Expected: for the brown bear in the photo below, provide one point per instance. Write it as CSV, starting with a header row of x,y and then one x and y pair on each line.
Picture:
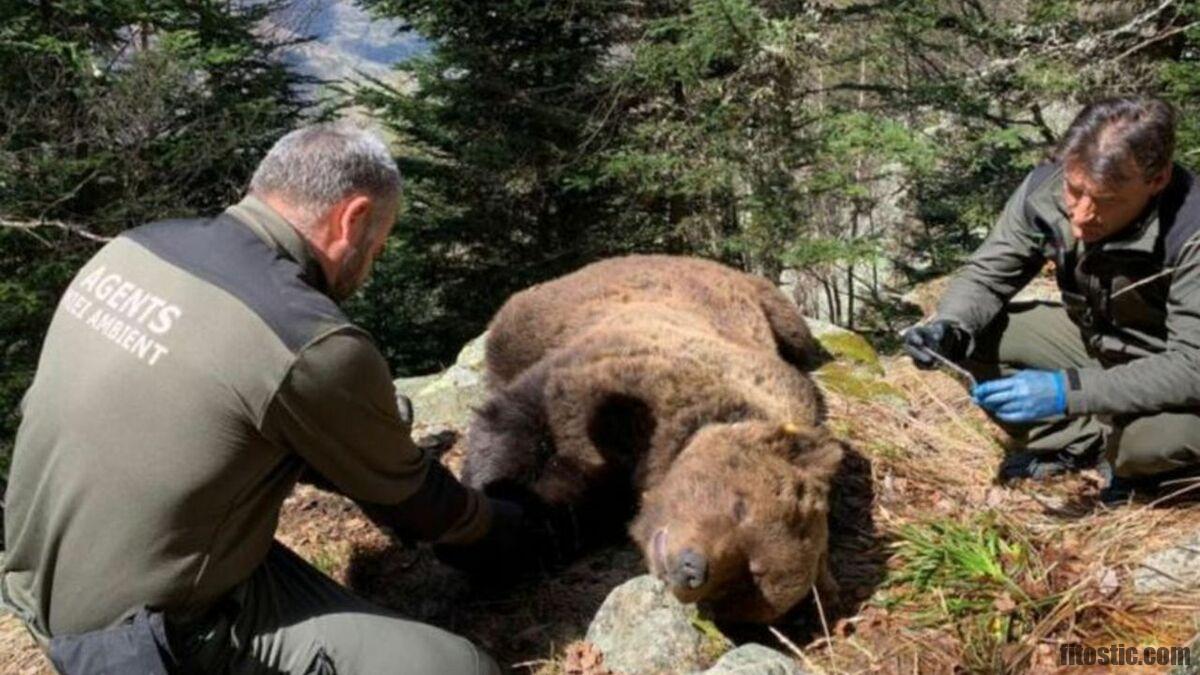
x,y
676,380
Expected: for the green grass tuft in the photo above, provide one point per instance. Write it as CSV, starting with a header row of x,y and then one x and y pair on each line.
x,y
973,575
327,560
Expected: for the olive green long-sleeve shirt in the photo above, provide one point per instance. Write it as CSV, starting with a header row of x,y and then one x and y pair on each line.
x,y
192,369
1135,296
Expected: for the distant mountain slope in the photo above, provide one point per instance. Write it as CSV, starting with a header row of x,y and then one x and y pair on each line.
x,y
348,40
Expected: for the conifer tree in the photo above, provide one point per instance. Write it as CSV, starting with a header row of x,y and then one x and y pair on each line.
x,y
497,146
112,114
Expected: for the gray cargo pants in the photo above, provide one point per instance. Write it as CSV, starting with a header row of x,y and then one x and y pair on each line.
x,y
1041,335
288,617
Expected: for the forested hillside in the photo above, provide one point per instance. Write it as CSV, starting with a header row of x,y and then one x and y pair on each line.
x,y
865,145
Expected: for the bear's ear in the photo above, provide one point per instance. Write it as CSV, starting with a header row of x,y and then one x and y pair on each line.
x,y
816,462
490,410
620,427
816,453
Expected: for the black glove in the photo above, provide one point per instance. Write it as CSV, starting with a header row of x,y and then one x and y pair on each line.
x,y
939,336
527,537
554,532
512,548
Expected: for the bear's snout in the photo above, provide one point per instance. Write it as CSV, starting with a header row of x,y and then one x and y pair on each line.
x,y
690,570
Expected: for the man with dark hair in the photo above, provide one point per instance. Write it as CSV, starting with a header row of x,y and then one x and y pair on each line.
x,y
1114,370
193,370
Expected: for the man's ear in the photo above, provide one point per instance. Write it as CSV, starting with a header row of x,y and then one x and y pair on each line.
x,y
1161,179
351,218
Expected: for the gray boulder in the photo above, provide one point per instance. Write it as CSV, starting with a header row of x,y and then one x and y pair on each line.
x,y
641,629
1172,569
755,659
446,400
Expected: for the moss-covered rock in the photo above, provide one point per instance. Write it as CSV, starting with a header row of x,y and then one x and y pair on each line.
x,y
854,370
642,628
853,348
847,380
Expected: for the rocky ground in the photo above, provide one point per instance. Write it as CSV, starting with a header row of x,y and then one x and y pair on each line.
x,y
941,569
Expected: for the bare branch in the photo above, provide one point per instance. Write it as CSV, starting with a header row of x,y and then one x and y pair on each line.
x,y
31,226
1157,38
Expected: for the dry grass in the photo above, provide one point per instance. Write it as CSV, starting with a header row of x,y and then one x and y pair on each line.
x,y
18,653
941,569
986,577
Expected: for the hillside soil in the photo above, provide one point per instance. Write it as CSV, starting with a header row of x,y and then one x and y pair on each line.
x,y
941,569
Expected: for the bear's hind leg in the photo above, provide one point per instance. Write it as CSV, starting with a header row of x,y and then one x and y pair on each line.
x,y
793,339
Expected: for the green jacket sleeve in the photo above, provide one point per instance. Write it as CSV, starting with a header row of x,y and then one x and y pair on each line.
x,y
1164,381
1002,266
337,410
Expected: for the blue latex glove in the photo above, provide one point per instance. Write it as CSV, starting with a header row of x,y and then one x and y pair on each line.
x,y
1028,396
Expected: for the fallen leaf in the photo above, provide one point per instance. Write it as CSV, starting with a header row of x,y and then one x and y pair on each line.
x,y
1044,660
1034,587
1004,603
1109,582
584,658
996,497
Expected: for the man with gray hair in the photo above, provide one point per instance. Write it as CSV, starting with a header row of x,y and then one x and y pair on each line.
x,y
192,371
1113,370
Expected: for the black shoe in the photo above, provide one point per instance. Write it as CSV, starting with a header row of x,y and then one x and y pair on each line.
x,y
1042,465
1117,491
1121,490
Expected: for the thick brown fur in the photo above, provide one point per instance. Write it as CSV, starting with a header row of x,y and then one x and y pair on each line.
x,y
676,379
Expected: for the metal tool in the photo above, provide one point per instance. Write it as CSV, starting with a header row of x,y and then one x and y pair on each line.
x,y
953,367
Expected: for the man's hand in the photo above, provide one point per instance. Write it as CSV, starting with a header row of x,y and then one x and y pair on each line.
x,y
519,542
1028,396
938,336
498,554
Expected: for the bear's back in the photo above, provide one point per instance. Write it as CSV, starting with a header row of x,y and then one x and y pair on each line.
x,y
550,315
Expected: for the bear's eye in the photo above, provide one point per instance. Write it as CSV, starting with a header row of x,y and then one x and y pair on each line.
x,y
794,491
739,509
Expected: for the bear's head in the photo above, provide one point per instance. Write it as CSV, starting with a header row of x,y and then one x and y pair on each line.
x,y
739,521
508,439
